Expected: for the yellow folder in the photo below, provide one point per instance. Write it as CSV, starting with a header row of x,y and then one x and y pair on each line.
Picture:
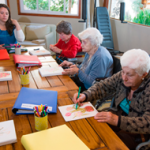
x,y
57,138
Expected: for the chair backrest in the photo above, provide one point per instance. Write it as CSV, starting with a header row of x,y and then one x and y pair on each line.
x,y
116,68
116,64
104,26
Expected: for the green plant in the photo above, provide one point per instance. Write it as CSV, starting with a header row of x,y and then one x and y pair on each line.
x,y
43,5
31,4
143,17
137,6
57,5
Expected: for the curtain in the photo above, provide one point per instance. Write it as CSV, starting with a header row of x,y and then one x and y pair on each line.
x,y
90,11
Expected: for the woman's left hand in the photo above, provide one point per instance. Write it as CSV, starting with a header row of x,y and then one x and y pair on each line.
x,y
1,46
71,71
55,49
15,22
107,117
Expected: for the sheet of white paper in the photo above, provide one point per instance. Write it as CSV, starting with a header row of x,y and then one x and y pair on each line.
x,y
50,71
7,132
5,76
70,113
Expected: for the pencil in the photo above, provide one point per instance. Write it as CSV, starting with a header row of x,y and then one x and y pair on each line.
x,y
19,71
78,96
59,59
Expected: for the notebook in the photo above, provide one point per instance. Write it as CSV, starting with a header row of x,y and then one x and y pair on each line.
x,y
28,98
26,60
51,71
7,132
4,54
70,113
40,52
5,76
57,138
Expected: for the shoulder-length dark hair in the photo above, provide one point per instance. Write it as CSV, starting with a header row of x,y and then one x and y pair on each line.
x,y
9,25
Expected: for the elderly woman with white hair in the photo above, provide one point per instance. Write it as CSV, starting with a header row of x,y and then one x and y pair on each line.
x,y
130,115
97,62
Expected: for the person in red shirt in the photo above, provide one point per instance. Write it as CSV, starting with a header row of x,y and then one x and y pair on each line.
x,y
68,44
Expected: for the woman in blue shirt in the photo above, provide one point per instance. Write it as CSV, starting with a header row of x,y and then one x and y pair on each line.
x,y
10,30
97,62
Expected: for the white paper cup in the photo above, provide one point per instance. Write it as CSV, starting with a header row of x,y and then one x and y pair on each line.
x,y
18,51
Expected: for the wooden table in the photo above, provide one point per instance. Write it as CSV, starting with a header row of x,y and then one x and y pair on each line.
x,y
97,136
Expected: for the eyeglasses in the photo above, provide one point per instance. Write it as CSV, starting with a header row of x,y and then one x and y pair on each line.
x,y
129,75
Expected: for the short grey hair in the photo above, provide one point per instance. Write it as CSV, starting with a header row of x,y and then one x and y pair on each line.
x,y
93,34
64,27
136,59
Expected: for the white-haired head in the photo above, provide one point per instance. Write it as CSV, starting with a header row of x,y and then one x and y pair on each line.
x,y
93,35
136,59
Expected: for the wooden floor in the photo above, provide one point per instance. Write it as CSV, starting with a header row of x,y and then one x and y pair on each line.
x,y
97,136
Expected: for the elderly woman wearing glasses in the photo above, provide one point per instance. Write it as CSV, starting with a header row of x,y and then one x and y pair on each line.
x,y
130,115
97,62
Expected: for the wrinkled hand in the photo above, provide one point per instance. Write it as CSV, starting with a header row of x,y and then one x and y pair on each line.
x,y
107,117
66,63
71,71
55,49
81,98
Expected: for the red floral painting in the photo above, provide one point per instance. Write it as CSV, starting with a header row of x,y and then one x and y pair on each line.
x,y
4,75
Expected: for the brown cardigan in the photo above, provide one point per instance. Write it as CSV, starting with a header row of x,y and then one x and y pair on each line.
x,y
138,119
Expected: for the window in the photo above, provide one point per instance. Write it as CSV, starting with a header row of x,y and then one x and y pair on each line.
x,y
3,1
137,11
64,8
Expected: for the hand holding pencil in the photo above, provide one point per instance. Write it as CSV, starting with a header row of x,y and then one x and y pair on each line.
x,y
79,100
78,97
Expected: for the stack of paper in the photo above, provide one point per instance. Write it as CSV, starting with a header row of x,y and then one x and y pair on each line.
x,y
57,138
7,132
40,52
51,71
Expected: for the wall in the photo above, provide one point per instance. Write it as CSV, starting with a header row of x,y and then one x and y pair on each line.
x,y
125,36
77,27
128,36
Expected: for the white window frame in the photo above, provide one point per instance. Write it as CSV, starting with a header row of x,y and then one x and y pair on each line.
x,y
5,2
22,10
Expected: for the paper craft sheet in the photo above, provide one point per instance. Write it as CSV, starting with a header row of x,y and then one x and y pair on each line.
x,y
40,52
70,113
51,71
7,132
5,76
